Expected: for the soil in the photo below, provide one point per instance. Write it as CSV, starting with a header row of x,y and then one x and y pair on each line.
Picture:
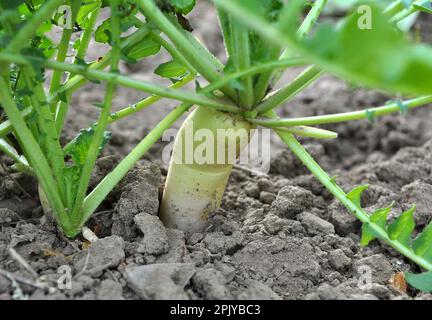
x,y
276,236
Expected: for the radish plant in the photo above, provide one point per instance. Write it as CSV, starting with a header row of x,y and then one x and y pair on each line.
x,y
262,40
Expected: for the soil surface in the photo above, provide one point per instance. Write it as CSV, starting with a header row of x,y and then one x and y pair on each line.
x,y
276,236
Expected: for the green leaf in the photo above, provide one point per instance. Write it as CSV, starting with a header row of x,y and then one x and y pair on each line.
x,y
86,10
402,228
422,281
7,4
147,47
379,218
102,33
355,195
183,6
425,6
364,48
170,70
422,245
80,146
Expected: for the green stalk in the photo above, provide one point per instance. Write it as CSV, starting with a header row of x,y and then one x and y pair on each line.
x,y
62,109
62,52
337,191
96,142
124,81
13,154
403,14
61,57
28,30
6,127
285,94
264,84
311,18
394,8
346,116
200,61
126,112
175,54
225,25
304,29
309,132
241,59
77,81
95,198
87,34
268,66
47,127
35,155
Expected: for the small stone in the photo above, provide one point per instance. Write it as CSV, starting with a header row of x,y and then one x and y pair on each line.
x,y
195,238
177,247
266,185
139,195
314,225
155,240
8,216
267,197
160,281
211,284
327,292
291,201
252,190
104,253
343,221
382,270
418,193
273,224
339,260
258,291
218,242
110,290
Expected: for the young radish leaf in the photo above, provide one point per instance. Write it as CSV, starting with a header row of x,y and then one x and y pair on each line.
x,y
401,230
422,245
79,147
422,281
180,6
147,47
171,70
395,63
425,6
379,217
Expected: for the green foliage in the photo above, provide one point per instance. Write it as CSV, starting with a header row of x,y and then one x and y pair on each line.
x,y
400,230
183,6
147,47
422,281
395,64
425,6
171,70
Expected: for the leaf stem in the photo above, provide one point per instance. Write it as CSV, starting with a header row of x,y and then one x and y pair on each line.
x,y
125,81
97,139
36,157
201,63
311,18
241,59
346,116
337,191
285,94
20,40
